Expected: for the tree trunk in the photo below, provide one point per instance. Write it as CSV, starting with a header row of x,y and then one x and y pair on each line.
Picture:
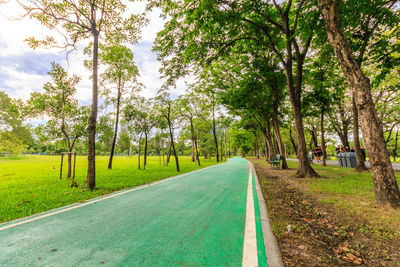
x,y
145,151
304,169
215,137
360,164
173,145
395,146
194,141
266,148
323,146
268,142
313,141
91,173
193,158
275,125
116,125
292,140
169,153
140,140
197,151
257,154
221,148
163,153
385,185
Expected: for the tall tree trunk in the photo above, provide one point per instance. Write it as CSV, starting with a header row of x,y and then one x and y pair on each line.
x,y
225,150
163,153
292,140
192,137
145,151
221,148
215,137
279,143
91,173
173,145
360,164
304,169
266,147
275,125
395,146
193,157
140,140
194,141
323,146
313,141
256,145
385,185
344,135
268,142
169,152
116,125
294,86
197,151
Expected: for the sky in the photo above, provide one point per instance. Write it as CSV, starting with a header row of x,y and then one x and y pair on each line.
x,y
23,70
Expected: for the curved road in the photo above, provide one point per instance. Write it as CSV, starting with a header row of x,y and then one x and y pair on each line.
x,y
196,219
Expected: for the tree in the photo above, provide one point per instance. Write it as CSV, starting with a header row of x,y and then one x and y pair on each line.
x,y
188,110
168,111
121,71
385,185
322,79
58,102
13,135
198,33
141,112
80,20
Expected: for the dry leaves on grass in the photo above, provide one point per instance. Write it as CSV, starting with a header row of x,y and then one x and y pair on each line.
x,y
348,254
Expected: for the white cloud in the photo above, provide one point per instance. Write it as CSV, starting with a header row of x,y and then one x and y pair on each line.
x,y
20,83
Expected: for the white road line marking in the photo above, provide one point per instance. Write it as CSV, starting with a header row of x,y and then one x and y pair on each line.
x,y
101,199
250,257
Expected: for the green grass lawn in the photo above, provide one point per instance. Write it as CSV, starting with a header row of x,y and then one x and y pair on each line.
x,y
350,190
30,184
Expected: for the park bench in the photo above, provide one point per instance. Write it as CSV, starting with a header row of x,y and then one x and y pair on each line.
x,y
275,162
310,158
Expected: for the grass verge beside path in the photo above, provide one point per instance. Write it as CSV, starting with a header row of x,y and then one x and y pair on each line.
x,y
30,184
329,221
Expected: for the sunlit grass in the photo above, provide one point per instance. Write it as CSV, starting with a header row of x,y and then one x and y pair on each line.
x,y
30,184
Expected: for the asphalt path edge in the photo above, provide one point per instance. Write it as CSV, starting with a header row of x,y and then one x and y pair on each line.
x,y
48,213
272,252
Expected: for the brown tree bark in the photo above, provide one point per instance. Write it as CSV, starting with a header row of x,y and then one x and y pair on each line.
x,y
221,149
323,146
275,125
91,173
145,150
140,140
256,150
395,145
214,130
193,160
360,165
169,153
194,141
385,185
173,145
116,125
292,140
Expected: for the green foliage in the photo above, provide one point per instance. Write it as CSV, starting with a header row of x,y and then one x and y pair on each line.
x,y
14,136
78,20
67,119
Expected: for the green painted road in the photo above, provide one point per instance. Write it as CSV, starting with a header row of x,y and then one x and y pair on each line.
x,y
197,219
